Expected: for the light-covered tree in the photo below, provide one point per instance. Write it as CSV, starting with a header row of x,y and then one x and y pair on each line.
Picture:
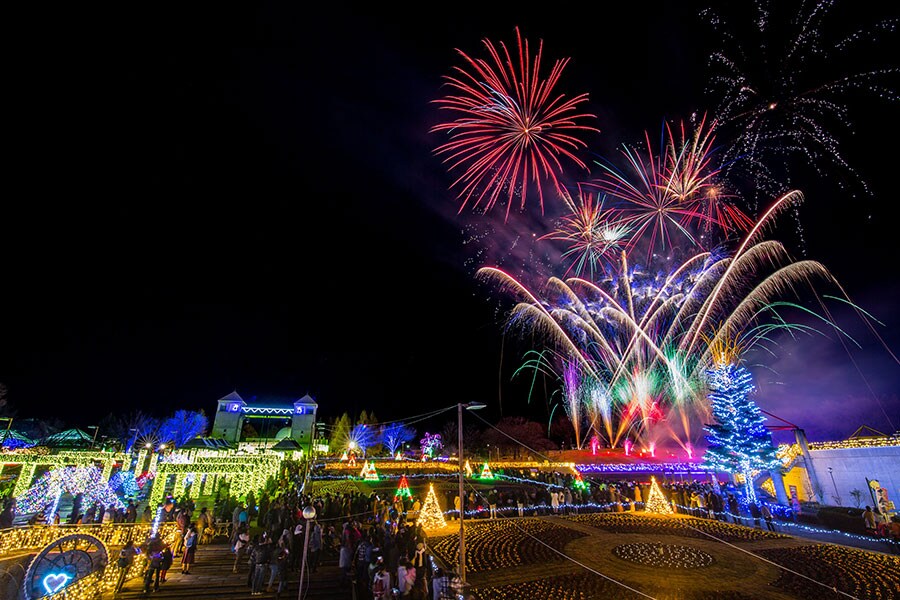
x,y
738,442
394,435
183,426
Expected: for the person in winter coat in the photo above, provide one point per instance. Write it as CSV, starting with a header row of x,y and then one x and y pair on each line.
x,y
168,557
261,557
151,576
406,577
124,562
315,546
240,545
381,584
190,548
278,566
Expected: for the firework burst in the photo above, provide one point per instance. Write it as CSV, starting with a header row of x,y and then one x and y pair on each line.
x,y
592,234
670,194
640,342
781,80
510,128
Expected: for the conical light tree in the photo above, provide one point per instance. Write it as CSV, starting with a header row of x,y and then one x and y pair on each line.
x,y
738,442
403,488
368,472
431,516
656,500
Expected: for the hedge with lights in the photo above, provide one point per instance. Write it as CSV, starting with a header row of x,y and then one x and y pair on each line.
x,y
245,473
24,539
100,582
66,458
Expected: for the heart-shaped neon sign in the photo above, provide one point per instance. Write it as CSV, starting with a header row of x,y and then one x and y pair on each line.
x,y
56,581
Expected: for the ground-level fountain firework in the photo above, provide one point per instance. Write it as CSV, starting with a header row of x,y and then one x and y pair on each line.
x,y
632,348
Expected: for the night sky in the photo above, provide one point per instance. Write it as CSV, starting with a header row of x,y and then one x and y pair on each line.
x,y
247,199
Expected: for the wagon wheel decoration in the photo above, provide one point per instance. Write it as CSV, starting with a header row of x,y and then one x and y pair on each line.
x,y
63,562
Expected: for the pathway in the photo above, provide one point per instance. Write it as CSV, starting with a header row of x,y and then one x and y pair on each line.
x,y
211,578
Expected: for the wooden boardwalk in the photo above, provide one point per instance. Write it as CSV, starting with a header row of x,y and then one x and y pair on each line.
x,y
211,578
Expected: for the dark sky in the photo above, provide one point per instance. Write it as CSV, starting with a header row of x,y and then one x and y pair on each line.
x,y
246,199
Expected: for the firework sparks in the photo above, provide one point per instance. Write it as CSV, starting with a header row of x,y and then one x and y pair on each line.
x,y
510,129
590,232
780,83
672,194
629,346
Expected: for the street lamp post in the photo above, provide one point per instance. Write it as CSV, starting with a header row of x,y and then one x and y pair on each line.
x,y
462,504
837,496
96,431
309,513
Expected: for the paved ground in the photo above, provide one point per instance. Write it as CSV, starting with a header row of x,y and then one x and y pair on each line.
x,y
211,578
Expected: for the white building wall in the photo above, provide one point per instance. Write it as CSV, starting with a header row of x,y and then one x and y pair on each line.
x,y
850,468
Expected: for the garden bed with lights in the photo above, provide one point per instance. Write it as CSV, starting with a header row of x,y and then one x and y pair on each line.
x,y
856,572
675,525
502,543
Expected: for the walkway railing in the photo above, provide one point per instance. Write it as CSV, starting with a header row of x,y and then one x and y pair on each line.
x,y
17,540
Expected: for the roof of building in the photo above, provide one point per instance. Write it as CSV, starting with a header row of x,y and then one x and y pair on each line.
x,y
287,444
13,439
70,438
207,443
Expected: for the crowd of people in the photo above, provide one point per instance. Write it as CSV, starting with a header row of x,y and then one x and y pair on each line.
x,y
379,547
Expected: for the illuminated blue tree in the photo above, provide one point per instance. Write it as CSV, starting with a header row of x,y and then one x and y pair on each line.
x,y
738,442
394,435
182,427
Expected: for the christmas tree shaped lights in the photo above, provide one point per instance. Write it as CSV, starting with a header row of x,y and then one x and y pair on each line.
x,y
403,489
738,442
431,516
368,472
656,501
486,472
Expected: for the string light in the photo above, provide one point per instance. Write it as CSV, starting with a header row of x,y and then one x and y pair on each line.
x,y
245,472
19,540
656,501
431,516
73,480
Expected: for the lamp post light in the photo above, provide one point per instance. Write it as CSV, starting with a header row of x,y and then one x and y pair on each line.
x,y
462,496
96,431
309,513
837,496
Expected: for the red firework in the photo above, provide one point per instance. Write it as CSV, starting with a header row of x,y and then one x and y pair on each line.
x,y
509,130
671,192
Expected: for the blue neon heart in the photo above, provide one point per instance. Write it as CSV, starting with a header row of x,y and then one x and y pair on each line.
x,y
55,582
